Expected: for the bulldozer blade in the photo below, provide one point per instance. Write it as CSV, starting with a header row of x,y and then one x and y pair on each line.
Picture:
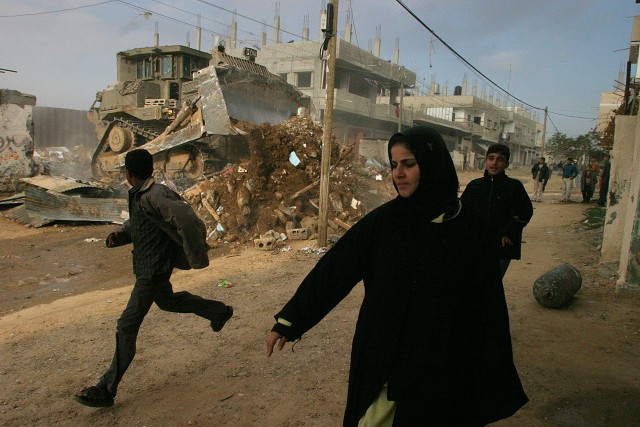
x,y
257,98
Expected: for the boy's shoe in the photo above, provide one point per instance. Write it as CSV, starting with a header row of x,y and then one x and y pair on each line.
x,y
95,397
218,325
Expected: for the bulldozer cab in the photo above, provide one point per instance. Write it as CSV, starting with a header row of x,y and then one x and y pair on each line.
x,y
149,82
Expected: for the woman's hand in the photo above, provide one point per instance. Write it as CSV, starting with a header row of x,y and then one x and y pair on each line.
x,y
273,339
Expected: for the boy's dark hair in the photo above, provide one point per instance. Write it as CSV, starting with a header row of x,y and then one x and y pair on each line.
x,y
139,163
500,149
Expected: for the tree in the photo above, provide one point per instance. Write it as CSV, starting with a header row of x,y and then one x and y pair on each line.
x,y
560,146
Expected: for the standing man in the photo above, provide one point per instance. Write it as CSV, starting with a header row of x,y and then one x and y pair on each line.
x,y
541,174
165,233
569,172
503,201
604,181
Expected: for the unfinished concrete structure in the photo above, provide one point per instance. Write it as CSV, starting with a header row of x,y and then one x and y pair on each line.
x,y
375,98
16,139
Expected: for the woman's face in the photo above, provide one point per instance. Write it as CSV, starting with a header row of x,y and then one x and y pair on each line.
x,y
406,172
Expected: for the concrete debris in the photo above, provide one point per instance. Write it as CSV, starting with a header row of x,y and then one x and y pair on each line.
x,y
266,194
267,241
63,161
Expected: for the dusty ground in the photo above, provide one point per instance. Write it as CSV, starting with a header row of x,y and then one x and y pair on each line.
x,y
60,297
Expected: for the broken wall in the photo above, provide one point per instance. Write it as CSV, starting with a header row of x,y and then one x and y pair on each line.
x,y
16,139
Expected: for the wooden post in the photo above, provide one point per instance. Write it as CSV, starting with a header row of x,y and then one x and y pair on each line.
x,y
327,132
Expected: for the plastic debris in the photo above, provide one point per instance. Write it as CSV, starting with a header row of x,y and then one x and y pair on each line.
x,y
293,158
224,284
308,250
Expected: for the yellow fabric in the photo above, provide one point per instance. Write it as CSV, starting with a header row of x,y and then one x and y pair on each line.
x,y
438,220
380,413
284,322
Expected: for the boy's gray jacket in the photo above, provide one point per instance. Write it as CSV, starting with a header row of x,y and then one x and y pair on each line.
x,y
169,211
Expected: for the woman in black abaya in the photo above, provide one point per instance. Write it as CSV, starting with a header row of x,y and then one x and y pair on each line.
x,y
432,345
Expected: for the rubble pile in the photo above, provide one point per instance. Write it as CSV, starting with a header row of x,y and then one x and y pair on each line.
x,y
277,186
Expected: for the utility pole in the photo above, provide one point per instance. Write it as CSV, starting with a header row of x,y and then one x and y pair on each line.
x,y
544,130
327,132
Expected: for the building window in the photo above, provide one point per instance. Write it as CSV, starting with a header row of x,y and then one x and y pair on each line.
x,y
477,120
166,67
191,65
453,117
283,76
144,69
186,67
303,79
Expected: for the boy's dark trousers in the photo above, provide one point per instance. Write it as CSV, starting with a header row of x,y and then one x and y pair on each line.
x,y
145,292
586,194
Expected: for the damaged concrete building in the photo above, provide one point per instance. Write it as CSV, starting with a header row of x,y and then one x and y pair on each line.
x,y
16,139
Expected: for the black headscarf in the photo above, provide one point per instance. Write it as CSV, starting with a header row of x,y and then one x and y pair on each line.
x,y
437,191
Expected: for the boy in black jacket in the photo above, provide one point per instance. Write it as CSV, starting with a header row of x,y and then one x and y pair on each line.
x,y
503,201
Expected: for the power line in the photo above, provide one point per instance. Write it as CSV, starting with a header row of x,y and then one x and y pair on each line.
x,y
478,71
461,57
55,11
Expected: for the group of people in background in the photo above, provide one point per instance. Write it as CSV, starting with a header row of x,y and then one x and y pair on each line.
x,y
591,178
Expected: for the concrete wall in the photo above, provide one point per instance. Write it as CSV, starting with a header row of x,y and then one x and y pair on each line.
x,y
63,127
16,139
629,269
619,186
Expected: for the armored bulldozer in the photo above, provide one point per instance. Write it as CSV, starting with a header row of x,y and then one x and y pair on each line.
x,y
182,105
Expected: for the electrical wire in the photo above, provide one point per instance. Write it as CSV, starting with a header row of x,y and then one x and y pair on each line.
x,y
246,17
478,71
56,11
462,58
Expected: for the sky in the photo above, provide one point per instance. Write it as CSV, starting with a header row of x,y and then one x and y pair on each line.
x,y
559,54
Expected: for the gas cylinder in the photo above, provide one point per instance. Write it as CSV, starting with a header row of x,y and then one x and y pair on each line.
x,y
555,288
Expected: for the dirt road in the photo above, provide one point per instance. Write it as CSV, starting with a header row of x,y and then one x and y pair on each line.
x,y
61,293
